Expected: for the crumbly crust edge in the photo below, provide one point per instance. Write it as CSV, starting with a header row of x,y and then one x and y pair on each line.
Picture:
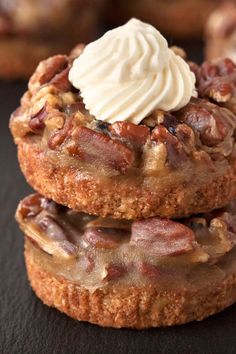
x,y
130,307
122,199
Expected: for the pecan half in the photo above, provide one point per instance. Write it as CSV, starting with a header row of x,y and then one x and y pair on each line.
x,y
95,147
52,229
162,237
55,239
103,237
137,135
211,122
46,71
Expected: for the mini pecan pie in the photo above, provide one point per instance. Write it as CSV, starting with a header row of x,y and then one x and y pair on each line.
x,y
33,30
172,164
176,18
119,273
216,81
221,32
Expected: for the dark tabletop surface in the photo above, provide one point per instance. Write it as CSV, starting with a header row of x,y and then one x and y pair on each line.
x,y
27,326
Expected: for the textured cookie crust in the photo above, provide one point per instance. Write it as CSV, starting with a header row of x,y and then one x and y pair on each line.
x,y
134,307
74,188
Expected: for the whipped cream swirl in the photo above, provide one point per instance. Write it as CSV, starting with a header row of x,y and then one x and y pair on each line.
x,y
129,72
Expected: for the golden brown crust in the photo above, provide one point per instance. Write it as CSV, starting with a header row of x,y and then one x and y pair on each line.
x,y
78,190
135,307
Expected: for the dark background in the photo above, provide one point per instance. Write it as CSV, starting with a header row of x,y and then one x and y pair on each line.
x,y
27,326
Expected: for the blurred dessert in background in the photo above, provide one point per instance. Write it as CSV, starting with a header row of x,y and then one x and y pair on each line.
x,y
177,18
221,32
31,30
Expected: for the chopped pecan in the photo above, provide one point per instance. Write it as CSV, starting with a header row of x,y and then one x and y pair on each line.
x,y
210,121
19,123
103,237
114,271
162,237
176,154
170,122
61,80
96,147
75,107
60,136
216,68
55,120
36,123
137,135
186,136
155,118
155,158
46,71
217,80
182,132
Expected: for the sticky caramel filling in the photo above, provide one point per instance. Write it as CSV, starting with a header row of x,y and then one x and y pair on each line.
x,y
97,251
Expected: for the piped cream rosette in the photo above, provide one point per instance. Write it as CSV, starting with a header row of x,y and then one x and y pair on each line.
x,y
129,72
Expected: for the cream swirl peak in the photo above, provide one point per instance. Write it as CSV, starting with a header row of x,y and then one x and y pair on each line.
x,y
129,72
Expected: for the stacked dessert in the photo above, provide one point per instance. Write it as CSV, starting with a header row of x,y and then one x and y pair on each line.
x,y
131,149
221,32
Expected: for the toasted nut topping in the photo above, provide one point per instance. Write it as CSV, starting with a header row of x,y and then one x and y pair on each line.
x,y
137,135
212,122
46,71
101,237
36,122
162,237
92,146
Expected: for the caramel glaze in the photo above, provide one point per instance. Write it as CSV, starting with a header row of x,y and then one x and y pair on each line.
x,y
95,252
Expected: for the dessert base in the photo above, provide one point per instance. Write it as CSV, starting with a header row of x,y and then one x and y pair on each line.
x,y
136,307
123,197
